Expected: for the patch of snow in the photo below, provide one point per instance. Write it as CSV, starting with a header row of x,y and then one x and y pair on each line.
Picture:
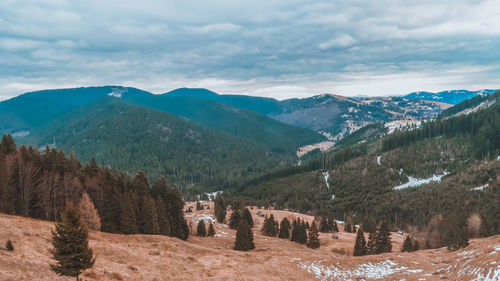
x,y
378,160
400,171
211,195
207,218
338,272
498,158
339,222
295,259
492,275
479,188
326,176
20,134
414,182
117,92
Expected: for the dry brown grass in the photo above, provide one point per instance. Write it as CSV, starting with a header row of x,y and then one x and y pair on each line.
x,y
148,257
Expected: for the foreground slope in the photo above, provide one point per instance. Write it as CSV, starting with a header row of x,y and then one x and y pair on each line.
x,y
147,257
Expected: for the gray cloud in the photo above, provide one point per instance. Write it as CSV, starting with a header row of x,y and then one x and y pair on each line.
x,y
274,48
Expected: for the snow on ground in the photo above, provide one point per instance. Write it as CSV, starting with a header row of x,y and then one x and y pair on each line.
x,y
365,270
117,92
401,124
414,182
207,218
479,188
493,274
378,160
326,175
211,195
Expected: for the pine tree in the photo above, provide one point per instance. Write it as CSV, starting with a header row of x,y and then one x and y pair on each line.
x,y
284,229
383,239
199,206
201,231
211,230
71,249
269,227
248,217
313,240
300,233
8,145
220,207
244,237
360,245
89,213
9,246
371,245
458,236
235,219
293,236
335,226
323,225
407,245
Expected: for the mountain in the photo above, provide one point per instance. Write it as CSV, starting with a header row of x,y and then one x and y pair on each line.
x,y
333,116
22,115
132,138
449,97
407,178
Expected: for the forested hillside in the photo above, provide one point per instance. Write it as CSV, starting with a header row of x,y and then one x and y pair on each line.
x,y
40,185
426,178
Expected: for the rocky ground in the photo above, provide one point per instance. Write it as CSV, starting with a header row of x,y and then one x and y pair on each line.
x,y
150,257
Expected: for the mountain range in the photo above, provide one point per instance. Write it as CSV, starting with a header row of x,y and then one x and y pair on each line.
x,y
197,136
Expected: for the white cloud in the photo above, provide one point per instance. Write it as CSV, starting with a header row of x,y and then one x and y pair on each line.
x,y
344,40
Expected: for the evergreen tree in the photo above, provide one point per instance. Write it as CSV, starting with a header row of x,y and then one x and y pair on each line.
x,y
458,236
335,226
407,245
201,231
199,206
307,226
244,237
300,233
128,221
220,207
293,236
284,229
360,245
371,245
383,239
313,239
269,227
416,246
485,228
323,225
248,217
211,230
9,246
8,145
235,219
71,249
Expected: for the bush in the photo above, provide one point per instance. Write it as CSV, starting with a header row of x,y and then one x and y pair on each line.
x,y
9,246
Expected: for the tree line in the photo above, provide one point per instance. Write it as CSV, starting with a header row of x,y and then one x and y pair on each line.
x,y
42,184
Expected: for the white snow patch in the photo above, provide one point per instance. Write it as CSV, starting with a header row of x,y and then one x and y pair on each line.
x,y
117,92
401,125
207,218
378,160
479,188
338,272
498,158
295,259
20,134
326,176
414,182
492,275
211,195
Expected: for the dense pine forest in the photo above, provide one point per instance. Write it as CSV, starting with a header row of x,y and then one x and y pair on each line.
x,y
41,184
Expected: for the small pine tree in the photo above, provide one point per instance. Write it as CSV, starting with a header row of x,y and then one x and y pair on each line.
x,y
335,226
313,240
9,246
269,227
347,227
371,246
293,236
220,207
360,245
201,230
407,245
235,219
300,233
248,217
383,239
199,206
307,225
71,249
284,229
323,225
244,237
211,230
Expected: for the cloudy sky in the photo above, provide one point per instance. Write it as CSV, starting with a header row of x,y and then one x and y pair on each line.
x,y
281,49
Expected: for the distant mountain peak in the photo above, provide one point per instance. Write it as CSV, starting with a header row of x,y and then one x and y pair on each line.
x,y
191,91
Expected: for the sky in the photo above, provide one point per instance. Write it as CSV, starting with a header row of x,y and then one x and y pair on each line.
x,y
279,49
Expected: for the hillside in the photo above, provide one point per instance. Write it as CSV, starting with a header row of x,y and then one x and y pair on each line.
x,y
155,257
132,138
